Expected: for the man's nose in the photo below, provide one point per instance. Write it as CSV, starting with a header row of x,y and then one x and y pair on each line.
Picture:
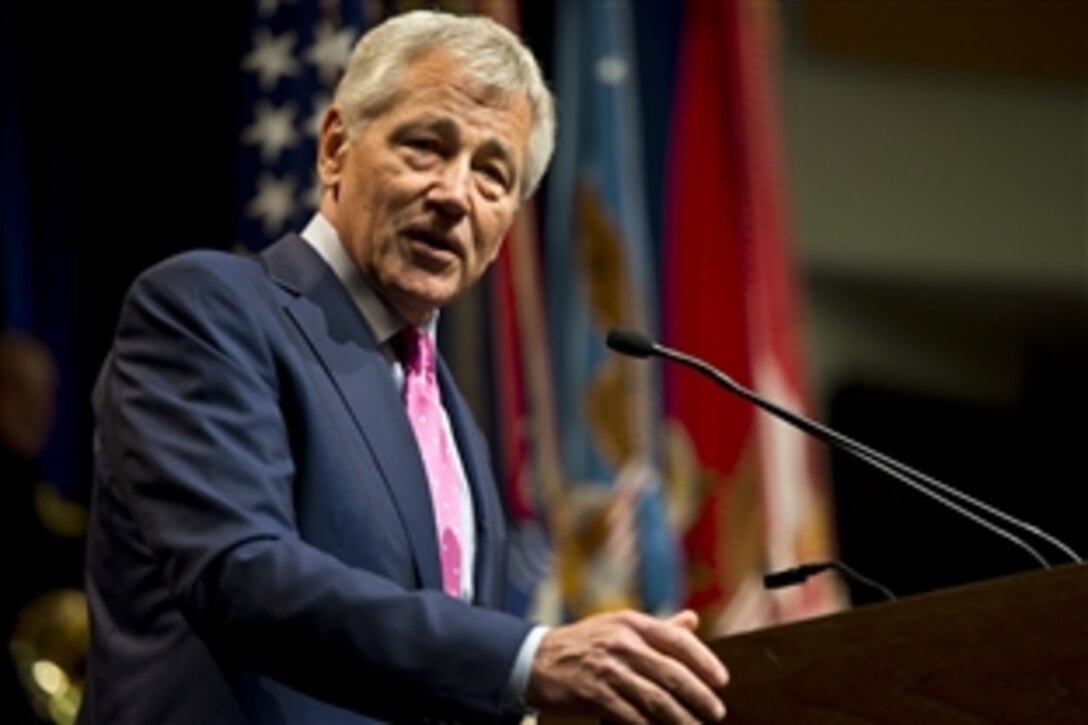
x,y
450,192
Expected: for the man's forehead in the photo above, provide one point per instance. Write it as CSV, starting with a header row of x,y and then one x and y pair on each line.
x,y
444,109
442,71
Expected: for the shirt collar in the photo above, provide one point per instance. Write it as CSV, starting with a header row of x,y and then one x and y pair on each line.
x,y
383,322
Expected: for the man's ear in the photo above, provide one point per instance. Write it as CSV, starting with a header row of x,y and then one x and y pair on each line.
x,y
332,147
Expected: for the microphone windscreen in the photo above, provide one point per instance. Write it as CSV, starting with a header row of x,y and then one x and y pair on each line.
x,y
785,578
630,342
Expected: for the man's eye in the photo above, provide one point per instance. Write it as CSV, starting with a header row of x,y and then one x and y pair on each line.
x,y
427,145
495,175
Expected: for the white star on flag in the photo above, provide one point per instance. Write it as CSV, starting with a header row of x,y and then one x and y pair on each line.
x,y
271,57
274,203
273,129
330,50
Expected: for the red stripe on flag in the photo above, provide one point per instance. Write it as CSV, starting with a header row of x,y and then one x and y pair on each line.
x,y
730,295
705,282
511,404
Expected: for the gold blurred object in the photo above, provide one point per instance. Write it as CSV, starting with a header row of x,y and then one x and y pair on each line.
x,y
59,515
49,645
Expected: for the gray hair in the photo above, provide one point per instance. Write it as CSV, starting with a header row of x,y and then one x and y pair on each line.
x,y
492,55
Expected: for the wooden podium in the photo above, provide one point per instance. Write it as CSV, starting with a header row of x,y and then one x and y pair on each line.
x,y
1008,650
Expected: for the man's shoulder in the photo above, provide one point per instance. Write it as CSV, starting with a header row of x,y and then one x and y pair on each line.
x,y
231,266
208,281
199,269
198,261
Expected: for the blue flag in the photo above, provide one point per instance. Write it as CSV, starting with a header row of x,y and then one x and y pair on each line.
x,y
601,274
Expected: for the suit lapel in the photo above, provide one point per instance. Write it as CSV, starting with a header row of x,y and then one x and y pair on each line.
x,y
327,318
478,471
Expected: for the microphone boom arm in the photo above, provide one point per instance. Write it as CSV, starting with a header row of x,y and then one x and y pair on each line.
x,y
915,479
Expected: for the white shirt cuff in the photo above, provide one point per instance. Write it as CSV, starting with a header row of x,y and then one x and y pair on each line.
x,y
523,664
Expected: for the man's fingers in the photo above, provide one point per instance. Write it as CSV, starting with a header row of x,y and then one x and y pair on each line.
x,y
665,657
681,643
615,706
657,704
670,676
687,619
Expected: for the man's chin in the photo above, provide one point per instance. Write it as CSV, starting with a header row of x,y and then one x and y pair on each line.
x,y
416,303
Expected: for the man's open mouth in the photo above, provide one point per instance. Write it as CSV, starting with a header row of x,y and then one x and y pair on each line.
x,y
434,240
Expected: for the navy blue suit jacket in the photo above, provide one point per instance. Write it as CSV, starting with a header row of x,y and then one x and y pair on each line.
x,y
262,546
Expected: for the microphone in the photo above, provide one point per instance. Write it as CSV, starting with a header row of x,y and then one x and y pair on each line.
x,y
636,344
799,574
630,342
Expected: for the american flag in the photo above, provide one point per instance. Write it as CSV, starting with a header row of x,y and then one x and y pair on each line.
x,y
295,53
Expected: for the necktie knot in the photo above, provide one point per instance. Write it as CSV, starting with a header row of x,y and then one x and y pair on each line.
x,y
415,350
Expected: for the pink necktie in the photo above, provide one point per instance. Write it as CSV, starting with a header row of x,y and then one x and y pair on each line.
x,y
424,404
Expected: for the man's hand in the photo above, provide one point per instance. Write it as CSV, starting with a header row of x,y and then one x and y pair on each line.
x,y
628,667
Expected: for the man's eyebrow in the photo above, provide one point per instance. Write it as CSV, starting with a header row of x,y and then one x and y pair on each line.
x,y
496,148
439,124
449,129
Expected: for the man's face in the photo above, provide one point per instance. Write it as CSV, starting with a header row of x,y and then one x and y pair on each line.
x,y
423,196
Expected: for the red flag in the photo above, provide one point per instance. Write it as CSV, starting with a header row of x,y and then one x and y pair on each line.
x,y
730,299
